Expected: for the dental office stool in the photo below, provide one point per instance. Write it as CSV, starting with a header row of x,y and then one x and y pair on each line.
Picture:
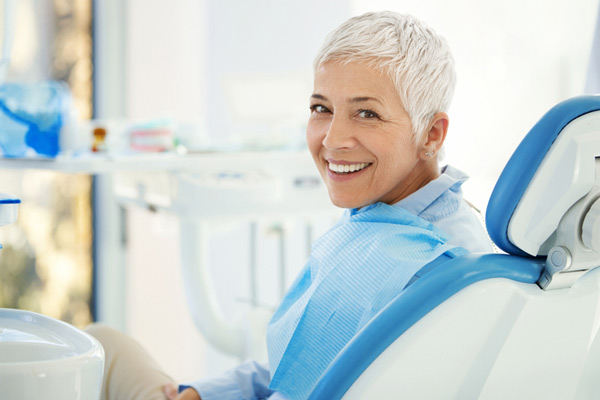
x,y
42,358
522,325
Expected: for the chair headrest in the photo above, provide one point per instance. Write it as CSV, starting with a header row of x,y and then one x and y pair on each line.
x,y
551,169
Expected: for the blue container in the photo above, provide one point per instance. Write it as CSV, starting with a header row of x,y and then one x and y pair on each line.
x,y
12,137
31,118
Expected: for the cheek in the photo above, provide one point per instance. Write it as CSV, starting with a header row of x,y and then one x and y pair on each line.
x,y
396,156
314,139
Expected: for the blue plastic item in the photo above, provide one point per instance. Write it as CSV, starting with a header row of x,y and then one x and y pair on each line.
x,y
10,201
525,161
8,206
31,118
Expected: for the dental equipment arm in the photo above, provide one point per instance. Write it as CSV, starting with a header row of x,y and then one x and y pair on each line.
x,y
200,293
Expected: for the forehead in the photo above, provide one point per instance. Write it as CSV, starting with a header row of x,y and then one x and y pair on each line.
x,y
352,79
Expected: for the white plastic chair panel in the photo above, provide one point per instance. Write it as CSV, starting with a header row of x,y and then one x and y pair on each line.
x,y
496,339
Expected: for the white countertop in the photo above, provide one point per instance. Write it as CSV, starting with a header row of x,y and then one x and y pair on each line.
x,y
95,163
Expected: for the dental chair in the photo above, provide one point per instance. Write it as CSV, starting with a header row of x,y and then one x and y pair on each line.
x,y
521,325
43,358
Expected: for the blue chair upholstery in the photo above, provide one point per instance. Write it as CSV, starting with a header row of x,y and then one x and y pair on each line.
x,y
524,163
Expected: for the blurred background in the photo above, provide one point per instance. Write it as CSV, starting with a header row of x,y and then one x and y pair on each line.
x,y
46,263
237,75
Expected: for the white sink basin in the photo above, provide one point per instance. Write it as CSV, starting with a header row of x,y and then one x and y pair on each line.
x,y
42,358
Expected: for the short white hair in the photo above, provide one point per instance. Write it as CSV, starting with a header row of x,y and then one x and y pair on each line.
x,y
417,59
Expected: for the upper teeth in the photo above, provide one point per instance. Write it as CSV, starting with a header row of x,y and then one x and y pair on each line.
x,y
347,168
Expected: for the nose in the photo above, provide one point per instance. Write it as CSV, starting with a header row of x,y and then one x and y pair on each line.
x,y
339,135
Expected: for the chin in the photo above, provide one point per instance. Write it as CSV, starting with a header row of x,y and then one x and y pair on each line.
x,y
345,203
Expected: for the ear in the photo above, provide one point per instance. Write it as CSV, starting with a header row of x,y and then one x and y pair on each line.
x,y
436,135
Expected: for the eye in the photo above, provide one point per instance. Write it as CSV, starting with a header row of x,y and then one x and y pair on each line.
x,y
319,108
367,114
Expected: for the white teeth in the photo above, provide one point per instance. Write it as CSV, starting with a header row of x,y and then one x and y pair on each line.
x,y
344,169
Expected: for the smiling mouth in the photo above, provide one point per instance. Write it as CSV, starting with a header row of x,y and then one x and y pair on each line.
x,y
347,168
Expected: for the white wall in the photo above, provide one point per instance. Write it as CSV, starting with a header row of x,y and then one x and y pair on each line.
x,y
259,74
239,71
32,37
166,59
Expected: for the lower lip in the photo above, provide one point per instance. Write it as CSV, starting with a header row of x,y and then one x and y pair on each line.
x,y
345,177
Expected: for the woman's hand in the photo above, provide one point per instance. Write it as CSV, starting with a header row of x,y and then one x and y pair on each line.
x,y
188,394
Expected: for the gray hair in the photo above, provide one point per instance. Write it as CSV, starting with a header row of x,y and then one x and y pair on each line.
x,y
417,60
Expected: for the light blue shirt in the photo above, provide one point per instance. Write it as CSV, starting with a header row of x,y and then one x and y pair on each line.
x,y
440,202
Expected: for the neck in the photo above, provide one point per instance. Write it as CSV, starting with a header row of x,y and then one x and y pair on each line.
x,y
423,173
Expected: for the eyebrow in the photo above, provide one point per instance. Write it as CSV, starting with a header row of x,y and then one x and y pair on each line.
x,y
318,96
363,99
360,99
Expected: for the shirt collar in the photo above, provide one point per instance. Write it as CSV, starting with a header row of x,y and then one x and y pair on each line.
x,y
450,179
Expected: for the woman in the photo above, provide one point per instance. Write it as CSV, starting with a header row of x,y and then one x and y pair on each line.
x,y
383,84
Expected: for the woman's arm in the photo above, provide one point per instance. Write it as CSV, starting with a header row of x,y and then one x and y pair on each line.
x,y
248,381
172,394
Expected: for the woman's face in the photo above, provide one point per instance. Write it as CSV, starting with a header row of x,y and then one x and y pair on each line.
x,y
361,137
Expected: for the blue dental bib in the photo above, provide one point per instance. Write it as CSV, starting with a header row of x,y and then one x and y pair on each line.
x,y
354,270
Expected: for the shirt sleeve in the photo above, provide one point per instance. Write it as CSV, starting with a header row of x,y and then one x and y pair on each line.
x,y
248,381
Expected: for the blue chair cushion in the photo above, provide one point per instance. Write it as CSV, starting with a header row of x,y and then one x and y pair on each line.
x,y
523,164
